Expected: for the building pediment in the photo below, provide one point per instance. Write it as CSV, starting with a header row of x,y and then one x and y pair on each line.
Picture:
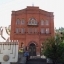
x,y
32,9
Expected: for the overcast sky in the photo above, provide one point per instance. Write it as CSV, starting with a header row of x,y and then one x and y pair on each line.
x,y
56,6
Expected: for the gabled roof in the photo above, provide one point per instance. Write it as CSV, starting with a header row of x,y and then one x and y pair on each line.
x,y
33,9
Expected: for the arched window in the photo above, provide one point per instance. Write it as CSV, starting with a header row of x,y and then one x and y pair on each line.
x,y
42,22
17,30
22,30
18,21
42,30
29,30
35,30
22,21
46,22
32,21
47,31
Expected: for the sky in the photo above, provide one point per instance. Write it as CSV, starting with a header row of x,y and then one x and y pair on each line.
x,y
55,6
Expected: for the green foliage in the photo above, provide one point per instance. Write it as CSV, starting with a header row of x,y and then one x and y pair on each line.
x,y
60,52
54,49
20,50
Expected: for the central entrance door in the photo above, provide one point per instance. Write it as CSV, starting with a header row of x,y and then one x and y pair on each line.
x,y
32,49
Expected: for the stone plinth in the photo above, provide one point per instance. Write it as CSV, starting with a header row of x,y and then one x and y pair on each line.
x,y
8,52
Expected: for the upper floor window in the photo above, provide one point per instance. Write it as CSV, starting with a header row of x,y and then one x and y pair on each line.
x,y
32,21
18,21
42,22
17,30
22,30
22,21
46,22
42,30
32,30
35,30
29,30
47,31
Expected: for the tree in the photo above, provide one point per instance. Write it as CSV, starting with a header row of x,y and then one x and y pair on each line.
x,y
54,49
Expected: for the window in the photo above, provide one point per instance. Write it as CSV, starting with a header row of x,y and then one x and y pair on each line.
x,y
46,22
35,30
32,21
42,22
17,21
29,30
22,30
22,22
32,30
42,30
47,31
17,30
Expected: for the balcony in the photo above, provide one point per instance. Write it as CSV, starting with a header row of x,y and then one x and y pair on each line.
x,y
32,24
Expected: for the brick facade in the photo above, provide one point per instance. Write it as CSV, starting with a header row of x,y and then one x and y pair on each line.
x,y
31,26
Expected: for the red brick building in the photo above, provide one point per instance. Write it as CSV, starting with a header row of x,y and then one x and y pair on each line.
x,y
31,26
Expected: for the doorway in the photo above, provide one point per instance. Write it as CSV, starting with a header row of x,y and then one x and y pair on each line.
x,y
32,49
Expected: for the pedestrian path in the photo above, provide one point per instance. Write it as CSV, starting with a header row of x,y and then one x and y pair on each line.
x,y
21,59
36,61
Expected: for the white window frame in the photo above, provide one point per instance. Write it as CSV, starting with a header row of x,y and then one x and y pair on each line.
x,y
35,30
42,22
22,22
17,30
29,30
46,22
47,30
22,30
18,21
32,21
42,30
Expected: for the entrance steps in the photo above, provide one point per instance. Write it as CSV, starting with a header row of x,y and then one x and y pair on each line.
x,y
34,57
38,57
36,61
